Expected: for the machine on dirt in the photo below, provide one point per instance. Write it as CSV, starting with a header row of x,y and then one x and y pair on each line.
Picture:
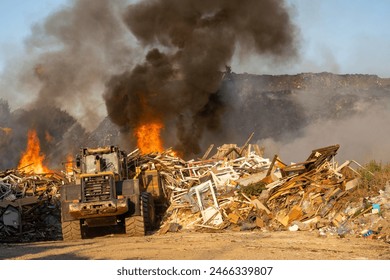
x,y
102,194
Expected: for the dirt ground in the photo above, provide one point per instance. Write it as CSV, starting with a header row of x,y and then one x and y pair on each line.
x,y
250,245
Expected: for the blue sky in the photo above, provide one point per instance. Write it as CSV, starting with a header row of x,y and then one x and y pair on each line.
x,y
340,36
354,35
17,17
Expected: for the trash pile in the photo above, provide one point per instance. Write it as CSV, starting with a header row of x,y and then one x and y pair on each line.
x,y
238,189
29,206
234,189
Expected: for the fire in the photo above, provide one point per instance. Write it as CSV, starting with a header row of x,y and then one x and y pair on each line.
x,y
69,164
148,137
32,159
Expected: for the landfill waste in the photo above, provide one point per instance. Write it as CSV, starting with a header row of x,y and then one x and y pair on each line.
x,y
236,188
29,206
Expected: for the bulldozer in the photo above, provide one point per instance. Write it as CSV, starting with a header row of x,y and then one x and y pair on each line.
x,y
102,194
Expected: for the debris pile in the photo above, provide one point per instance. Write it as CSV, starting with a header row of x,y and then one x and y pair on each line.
x,y
238,189
29,206
371,218
234,189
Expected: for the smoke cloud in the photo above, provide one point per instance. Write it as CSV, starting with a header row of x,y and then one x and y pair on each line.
x,y
190,42
59,79
77,49
362,137
349,110
167,61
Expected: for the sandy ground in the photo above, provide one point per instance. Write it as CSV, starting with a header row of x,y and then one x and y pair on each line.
x,y
250,245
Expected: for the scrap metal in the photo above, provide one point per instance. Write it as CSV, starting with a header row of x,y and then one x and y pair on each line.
x,y
29,209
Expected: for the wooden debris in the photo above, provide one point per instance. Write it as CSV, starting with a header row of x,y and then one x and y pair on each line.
x,y
235,189
302,194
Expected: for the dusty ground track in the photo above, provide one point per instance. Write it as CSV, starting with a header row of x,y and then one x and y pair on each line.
x,y
203,246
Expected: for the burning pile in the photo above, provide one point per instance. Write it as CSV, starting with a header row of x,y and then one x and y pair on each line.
x,y
149,137
236,188
32,159
29,205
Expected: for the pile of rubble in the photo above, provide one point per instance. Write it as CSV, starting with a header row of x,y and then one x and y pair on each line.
x,y
29,206
238,189
234,189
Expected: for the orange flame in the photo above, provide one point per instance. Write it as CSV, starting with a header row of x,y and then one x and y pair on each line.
x,y
148,137
69,164
32,159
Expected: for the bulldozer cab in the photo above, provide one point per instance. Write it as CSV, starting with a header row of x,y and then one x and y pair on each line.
x,y
106,159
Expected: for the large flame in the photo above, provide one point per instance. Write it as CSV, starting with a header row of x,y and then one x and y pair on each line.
x,y
32,159
149,138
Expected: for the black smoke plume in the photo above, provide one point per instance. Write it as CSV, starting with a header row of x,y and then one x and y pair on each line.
x,y
153,60
188,44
